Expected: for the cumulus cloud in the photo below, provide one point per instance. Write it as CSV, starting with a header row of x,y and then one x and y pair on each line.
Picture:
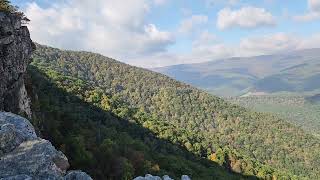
x,y
120,29
268,44
189,24
114,28
246,17
214,49
312,14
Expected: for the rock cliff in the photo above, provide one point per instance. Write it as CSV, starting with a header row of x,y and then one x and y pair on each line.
x,y
23,155
15,51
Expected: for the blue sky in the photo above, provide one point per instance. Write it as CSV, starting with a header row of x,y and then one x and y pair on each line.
x,y
151,33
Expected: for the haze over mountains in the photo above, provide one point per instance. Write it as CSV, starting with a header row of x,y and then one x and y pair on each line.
x,y
291,72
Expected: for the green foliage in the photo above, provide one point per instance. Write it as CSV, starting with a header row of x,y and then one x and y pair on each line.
x,y
251,143
295,109
6,6
101,134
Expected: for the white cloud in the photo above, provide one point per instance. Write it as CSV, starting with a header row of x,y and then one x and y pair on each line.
x,y
246,17
189,24
114,28
268,44
314,5
119,29
160,2
210,3
248,46
312,14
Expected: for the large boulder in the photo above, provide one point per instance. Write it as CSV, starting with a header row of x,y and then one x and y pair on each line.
x,y
165,177
185,177
35,158
23,155
77,175
13,131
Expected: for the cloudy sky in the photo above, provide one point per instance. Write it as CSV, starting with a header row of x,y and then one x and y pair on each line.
x,y
153,33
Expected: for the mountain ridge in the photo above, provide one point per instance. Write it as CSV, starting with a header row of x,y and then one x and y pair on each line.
x,y
238,76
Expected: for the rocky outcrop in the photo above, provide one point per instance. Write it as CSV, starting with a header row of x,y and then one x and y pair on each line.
x,y
15,52
165,177
23,155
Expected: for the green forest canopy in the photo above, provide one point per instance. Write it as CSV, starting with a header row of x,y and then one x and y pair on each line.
x,y
244,141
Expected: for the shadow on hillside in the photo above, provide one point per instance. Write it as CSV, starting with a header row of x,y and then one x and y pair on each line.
x,y
57,110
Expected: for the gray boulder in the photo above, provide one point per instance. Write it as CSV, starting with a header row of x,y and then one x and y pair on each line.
x,y
77,175
185,177
36,158
24,156
18,177
13,131
165,177
148,177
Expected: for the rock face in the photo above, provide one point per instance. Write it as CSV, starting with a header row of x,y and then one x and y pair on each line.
x,y
23,155
15,52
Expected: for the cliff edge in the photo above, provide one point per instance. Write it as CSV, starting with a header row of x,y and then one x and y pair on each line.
x,y
23,155
15,51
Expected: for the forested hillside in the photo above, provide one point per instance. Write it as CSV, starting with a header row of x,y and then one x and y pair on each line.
x,y
246,142
298,110
103,136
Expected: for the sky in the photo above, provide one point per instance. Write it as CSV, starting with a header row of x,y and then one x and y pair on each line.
x,y
155,33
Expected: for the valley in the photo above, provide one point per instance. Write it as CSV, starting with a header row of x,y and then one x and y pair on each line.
x,y
292,73
301,111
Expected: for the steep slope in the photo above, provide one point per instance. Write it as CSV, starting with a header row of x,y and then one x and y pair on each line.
x,y
298,110
103,135
300,78
292,72
207,126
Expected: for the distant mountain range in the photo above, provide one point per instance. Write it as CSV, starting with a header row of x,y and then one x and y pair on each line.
x,y
292,72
